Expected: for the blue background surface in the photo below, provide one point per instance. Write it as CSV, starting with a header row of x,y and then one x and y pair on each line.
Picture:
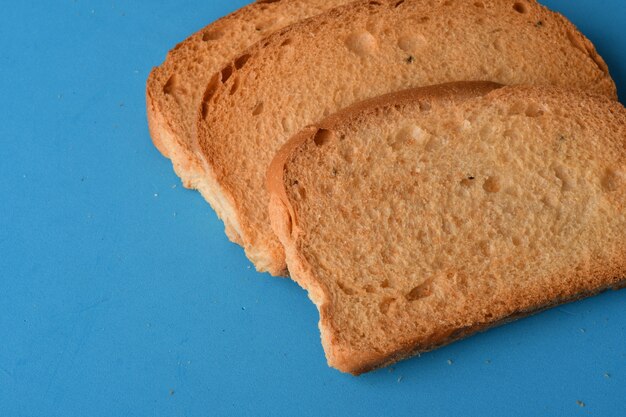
x,y
121,296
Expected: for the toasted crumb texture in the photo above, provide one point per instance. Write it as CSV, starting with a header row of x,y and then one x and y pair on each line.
x,y
316,67
175,88
419,218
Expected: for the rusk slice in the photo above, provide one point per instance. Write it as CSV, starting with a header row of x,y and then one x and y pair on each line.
x,y
174,89
421,217
316,67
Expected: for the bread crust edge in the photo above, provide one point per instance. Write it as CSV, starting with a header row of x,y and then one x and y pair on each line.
x,y
284,223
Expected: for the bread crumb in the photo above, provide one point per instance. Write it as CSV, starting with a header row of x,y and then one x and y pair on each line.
x,y
156,194
488,361
582,330
172,392
607,375
400,378
450,361
580,403
173,186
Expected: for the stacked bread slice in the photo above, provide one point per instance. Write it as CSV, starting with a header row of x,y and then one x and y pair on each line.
x,y
435,167
175,89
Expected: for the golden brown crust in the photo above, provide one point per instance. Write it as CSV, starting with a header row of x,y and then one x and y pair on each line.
x,y
219,97
590,280
459,90
284,218
451,336
172,102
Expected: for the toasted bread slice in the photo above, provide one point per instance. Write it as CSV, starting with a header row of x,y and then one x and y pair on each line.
x,y
362,50
174,89
424,216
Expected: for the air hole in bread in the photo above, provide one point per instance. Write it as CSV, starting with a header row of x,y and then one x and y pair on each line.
x,y
421,291
408,135
613,180
170,85
235,86
322,137
518,107
375,3
267,1
301,192
209,93
287,42
345,289
384,284
479,4
468,181
412,44
485,248
369,289
212,35
241,61
289,225
398,4
534,110
288,124
385,304
520,7
258,109
562,173
492,185
226,73
516,240
361,43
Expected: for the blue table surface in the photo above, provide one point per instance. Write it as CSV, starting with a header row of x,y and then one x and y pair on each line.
x,y
121,296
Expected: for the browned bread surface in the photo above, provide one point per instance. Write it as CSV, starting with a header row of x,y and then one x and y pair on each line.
x,y
418,218
316,67
174,89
